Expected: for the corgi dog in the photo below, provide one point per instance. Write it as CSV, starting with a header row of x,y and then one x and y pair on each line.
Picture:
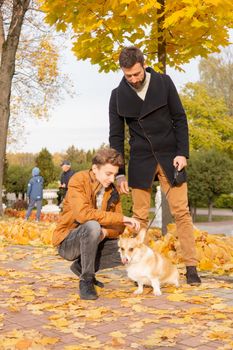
x,y
144,265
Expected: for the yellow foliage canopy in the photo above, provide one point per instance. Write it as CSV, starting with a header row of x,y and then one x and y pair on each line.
x,y
101,28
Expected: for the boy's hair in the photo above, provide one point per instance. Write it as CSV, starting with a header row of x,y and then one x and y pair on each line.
x,y
129,56
107,155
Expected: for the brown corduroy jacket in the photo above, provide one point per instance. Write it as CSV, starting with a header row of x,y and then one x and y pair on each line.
x,y
79,206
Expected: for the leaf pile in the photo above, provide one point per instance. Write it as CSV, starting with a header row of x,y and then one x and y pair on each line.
x,y
215,252
50,217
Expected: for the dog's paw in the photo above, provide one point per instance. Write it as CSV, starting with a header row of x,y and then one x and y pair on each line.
x,y
138,291
157,293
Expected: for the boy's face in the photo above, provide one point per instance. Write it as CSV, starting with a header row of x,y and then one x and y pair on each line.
x,y
105,174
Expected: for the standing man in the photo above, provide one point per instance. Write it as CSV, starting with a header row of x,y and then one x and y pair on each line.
x,y
149,103
92,220
65,178
35,193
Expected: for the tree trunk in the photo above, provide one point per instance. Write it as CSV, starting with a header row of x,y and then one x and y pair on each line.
x,y
8,51
210,210
162,56
194,214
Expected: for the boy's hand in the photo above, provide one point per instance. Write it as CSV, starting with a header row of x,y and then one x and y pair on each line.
x,y
131,222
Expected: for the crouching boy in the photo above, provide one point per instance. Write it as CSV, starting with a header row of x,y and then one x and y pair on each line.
x,y
92,220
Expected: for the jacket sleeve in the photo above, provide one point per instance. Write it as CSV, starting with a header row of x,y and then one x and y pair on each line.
x,y
116,128
29,188
83,210
179,120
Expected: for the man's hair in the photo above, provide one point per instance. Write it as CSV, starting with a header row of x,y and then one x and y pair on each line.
x,y
107,155
129,56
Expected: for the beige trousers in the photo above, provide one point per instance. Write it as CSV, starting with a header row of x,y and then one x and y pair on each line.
x,y
178,202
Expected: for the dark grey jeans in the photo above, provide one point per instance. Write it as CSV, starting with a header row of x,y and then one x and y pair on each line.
x,y
32,204
84,242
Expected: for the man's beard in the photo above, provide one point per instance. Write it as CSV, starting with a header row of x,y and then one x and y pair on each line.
x,y
138,84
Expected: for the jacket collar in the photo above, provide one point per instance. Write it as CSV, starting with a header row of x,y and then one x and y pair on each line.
x,y
95,184
129,104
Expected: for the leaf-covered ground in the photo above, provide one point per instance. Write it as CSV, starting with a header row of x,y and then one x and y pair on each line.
x,y
40,307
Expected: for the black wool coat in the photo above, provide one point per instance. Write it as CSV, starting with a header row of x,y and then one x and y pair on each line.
x,y
157,126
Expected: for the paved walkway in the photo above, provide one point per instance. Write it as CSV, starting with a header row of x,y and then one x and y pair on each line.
x,y
221,227
40,309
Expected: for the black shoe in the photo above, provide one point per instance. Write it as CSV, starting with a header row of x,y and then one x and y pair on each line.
x,y
192,277
87,289
77,270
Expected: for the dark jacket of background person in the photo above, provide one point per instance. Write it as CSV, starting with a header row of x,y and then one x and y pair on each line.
x,y
35,185
158,123
79,206
65,177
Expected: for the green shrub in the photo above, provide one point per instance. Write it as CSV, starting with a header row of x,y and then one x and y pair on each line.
x,y
53,185
126,202
224,201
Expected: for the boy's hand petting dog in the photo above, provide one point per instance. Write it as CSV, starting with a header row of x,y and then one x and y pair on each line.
x,y
131,222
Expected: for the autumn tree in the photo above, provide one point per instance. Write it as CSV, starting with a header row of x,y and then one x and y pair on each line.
x,y
16,179
216,75
21,158
209,122
171,32
30,82
44,162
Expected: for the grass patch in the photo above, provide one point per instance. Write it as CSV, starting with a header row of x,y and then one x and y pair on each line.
x,y
215,218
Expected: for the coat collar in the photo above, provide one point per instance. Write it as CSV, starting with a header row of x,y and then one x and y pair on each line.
x,y
129,104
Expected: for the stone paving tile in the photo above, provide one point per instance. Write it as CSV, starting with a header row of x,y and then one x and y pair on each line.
x,y
123,319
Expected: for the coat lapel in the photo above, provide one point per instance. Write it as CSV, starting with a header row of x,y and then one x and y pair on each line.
x,y
156,96
129,104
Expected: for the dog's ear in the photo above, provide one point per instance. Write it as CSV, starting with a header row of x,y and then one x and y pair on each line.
x,y
141,235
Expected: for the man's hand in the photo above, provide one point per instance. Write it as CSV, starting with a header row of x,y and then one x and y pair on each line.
x,y
180,162
131,222
122,184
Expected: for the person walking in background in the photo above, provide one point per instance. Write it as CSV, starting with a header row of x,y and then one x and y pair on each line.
x,y
64,180
159,147
35,193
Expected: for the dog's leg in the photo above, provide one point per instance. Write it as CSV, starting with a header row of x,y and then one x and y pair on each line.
x,y
156,286
177,284
175,280
140,288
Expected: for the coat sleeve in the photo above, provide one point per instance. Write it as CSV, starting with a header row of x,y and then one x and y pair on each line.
x,y
29,188
179,120
80,203
116,128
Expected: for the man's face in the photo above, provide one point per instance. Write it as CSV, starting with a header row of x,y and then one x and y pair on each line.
x,y
65,167
135,75
105,174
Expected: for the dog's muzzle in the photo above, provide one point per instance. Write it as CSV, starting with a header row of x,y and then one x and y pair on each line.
x,y
124,260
